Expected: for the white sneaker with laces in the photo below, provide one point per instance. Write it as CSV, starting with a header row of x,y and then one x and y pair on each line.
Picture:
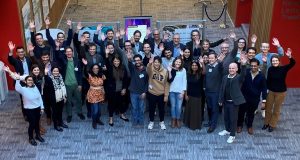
x,y
150,125
224,132
162,125
263,113
230,139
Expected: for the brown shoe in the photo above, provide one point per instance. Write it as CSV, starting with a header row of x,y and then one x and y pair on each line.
x,y
239,129
173,124
250,131
178,123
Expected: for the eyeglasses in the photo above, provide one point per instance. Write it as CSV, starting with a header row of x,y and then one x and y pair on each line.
x,y
195,35
155,34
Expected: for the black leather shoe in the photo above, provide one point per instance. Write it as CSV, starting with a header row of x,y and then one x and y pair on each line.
x,y
270,129
69,119
124,119
81,116
100,122
32,142
63,125
111,124
210,130
58,129
94,125
265,127
39,138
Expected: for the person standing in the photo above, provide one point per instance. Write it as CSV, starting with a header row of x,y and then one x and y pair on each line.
x,y
277,89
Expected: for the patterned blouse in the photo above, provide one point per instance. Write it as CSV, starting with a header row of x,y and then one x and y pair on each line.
x,y
96,92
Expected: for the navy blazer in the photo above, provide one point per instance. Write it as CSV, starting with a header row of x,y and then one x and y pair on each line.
x,y
171,45
150,40
18,64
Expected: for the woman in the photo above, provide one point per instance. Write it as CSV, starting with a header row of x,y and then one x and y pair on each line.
x,y
33,105
55,86
187,59
193,110
95,94
277,89
158,90
116,88
178,82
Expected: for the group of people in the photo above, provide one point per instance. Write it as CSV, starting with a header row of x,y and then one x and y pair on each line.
x,y
159,72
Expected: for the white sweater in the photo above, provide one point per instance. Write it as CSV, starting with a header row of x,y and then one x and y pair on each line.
x,y
31,96
179,83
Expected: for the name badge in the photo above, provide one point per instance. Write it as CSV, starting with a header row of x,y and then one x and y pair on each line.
x,y
76,69
210,70
61,49
141,75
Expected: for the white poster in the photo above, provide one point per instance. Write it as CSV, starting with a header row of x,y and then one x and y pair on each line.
x,y
141,28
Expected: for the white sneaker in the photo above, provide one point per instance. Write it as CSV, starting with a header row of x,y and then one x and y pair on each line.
x,y
223,133
162,125
263,113
230,139
150,125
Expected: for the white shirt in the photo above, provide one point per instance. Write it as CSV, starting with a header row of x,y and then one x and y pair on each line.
x,y
179,83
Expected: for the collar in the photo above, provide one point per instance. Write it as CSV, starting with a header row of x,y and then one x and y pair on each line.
x,y
231,76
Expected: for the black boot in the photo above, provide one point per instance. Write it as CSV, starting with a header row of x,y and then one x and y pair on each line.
x,y
39,138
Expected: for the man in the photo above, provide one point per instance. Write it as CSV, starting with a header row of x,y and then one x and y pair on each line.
x,y
168,59
254,85
37,41
138,88
138,46
154,41
60,36
21,63
147,54
71,72
175,45
108,39
77,42
231,97
265,56
212,84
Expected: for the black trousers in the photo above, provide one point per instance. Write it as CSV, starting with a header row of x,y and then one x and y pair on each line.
x,y
33,116
247,108
116,103
22,106
47,105
230,117
57,110
85,88
153,101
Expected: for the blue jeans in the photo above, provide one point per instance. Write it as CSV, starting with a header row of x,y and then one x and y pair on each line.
x,y
176,103
96,109
138,107
213,107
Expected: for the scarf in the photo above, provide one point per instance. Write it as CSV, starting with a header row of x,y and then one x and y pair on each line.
x,y
59,88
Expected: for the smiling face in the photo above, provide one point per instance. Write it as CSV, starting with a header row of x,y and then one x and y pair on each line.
x,y
55,72
205,59
254,67
194,67
178,63
146,48
36,71
21,53
138,61
195,36
241,43
233,68
60,38
116,62
69,53
87,38
29,82
128,46
176,39
205,45
224,48
137,37
110,35
110,48
95,69
186,53
275,62
265,47
45,58
156,35
92,50
251,54
156,64
212,58
39,40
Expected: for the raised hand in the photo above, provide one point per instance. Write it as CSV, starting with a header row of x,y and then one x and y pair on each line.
x,y
30,48
181,53
151,59
11,46
122,32
117,34
132,40
221,56
31,25
200,60
57,44
84,61
253,38
288,52
161,47
243,58
46,70
197,41
99,27
264,59
148,31
169,68
82,39
6,69
106,52
166,36
276,42
232,35
79,26
69,22
102,37
47,22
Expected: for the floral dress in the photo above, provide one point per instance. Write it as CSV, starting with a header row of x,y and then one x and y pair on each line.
x,y
96,92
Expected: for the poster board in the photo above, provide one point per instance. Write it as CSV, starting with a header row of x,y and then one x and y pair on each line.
x,y
140,23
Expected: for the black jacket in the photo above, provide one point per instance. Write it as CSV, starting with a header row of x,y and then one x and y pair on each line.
x,y
18,64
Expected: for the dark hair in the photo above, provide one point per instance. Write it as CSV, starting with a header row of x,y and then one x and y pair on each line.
x,y
93,74
137,56
68,47
38,34
86,32
157,58
55,66
195,30
118,72
146,43
245,43
173,64
254,60
253,48
19,47
109,30
36,66
45,53
28,77
137,31
205,40
213,53
59,34
109,43
274,56
190,57
198,73
92,45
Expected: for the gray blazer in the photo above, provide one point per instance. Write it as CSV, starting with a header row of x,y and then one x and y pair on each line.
x,y
235,88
